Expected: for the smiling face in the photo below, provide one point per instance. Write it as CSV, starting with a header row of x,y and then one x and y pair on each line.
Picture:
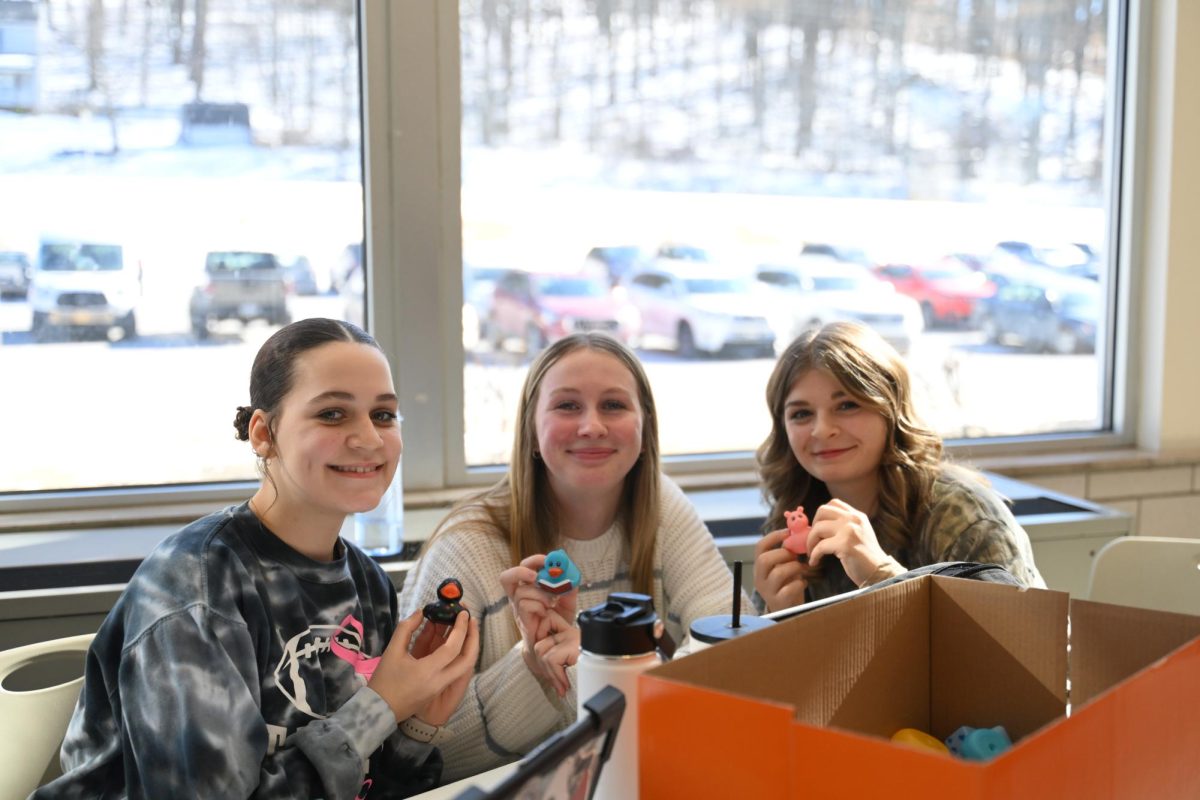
x,y
336,440
588,425
835,438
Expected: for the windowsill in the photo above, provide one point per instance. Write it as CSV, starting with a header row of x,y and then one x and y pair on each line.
x,y
1082,461
1020,465
423,506
106,552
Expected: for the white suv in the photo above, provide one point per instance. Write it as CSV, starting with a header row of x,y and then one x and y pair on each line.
x,y
695,308
83,284
812,291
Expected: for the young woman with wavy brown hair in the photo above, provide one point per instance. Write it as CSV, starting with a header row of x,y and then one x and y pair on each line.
x,y
584,477
847,444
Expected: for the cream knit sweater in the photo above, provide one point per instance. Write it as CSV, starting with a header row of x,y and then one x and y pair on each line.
x,y
506,711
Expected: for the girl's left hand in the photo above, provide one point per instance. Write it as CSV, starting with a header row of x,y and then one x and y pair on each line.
x,y
842,531
556,651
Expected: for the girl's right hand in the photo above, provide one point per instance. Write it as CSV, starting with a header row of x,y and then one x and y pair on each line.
x,y
545,622
410,683
439,709
778,574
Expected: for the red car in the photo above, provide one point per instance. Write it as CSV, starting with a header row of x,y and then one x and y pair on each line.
x,y
948,292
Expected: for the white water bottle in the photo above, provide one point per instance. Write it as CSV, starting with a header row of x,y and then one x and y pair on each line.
x,y
618,640
380,531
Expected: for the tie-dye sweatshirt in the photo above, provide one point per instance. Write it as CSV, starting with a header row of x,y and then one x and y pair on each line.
x,y
227,669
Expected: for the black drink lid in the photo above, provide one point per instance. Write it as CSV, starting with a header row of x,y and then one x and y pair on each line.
x,y
719,628
625,625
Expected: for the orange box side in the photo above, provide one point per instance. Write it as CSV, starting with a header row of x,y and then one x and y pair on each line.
x,y
726,729
1114,746
1132,734
831,763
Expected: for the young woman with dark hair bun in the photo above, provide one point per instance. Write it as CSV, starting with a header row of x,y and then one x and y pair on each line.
x,y
255,653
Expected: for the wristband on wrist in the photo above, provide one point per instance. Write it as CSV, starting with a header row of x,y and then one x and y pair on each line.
x,y
882,572
421,731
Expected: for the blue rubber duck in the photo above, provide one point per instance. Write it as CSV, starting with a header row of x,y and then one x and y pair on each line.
x,y
559,574
978,744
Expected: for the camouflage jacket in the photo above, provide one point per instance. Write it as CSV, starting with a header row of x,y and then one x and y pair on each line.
x,y
967,521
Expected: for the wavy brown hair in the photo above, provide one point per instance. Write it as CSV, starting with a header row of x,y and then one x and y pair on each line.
x,y
874,374
520,506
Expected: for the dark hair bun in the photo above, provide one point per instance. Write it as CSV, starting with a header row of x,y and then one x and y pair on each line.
x,y
241,423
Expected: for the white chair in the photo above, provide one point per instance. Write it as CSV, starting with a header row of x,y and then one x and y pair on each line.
x,y
1154,572
39,684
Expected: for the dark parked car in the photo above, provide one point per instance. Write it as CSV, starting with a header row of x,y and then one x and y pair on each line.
x,y
618,261
1058,315
479,284
1071,259
15,271
300,276
242,285
348,265
848,255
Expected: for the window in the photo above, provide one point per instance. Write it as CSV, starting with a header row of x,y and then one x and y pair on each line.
x,y
608,139
930,150
185,179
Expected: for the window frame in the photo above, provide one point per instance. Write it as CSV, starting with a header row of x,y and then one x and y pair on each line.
x,y
410,77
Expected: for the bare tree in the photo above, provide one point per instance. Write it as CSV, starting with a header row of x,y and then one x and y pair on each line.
x,y
94,49
175,31
199,53
756,17
806,21
146,52
1036,30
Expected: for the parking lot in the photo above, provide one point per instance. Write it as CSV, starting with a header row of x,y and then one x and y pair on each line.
x,y
134,406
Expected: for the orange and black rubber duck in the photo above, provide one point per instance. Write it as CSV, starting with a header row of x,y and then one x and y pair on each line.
x,y
445,609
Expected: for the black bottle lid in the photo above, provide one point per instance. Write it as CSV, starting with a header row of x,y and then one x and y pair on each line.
x,y
624,625
719,627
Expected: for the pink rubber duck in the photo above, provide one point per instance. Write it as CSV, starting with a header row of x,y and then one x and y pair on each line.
x,y
798,528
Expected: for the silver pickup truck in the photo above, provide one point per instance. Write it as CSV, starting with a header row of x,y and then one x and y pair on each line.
x,y
242,285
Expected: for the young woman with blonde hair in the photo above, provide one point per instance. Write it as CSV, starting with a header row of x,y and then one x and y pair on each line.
x,y
847,444
585,477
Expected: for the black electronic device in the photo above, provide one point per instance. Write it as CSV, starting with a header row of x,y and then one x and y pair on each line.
x,y
567,765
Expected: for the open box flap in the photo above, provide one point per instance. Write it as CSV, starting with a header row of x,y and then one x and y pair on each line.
x,y
836,666
1110,643
884,644
999,656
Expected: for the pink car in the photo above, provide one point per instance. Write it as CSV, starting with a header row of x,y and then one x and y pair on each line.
x,y
539,308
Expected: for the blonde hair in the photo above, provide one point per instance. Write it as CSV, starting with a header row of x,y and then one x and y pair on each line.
x,y
520,506
871,371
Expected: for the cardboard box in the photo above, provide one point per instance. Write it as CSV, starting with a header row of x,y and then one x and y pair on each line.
x,y
807,708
